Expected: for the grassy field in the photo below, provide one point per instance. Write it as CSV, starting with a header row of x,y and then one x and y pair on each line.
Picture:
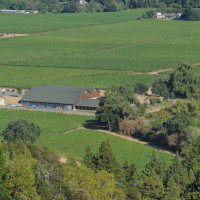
x,y
15,76
15,23
91,43
54,124
50,123
118,46
77,141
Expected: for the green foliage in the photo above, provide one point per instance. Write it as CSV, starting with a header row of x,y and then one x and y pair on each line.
x,y
103,160
177,124
89,158
21,130
189,108
53,125
20,180
82,183
148,14
113,109
118,104
154,101
141,88
152,187
48,173
173,190
124,91
191,14
4,194
160,87
184,82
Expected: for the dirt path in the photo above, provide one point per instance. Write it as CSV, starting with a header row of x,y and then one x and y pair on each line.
x,y
138,141
124,137
9,35
154,72
76,129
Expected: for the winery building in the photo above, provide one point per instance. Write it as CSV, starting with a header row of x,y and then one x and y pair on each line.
x,y
65,97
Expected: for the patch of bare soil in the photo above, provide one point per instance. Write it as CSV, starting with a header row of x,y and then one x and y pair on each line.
x,y
159,71
143,99
8,35
11,100
154,72
63,160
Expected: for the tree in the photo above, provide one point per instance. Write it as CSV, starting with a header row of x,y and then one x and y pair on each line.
x,y
184,82
4,194
141,88
157,165
106,159
139,125
84,184
20,179
191,14
131,181
173,190
151,187
113,109
21,130
89,158
160,87
189,108
124,91
179,174
177,124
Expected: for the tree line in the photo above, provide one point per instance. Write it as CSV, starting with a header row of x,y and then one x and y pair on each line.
x,y
67,6
28,171
158,180
171,126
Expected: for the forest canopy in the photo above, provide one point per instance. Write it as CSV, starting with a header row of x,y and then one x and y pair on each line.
x,y
68,6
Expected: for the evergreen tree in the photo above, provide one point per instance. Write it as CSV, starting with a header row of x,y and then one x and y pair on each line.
x,y
151,187
131,181
89,158
106,158
179,174
173,190
157,165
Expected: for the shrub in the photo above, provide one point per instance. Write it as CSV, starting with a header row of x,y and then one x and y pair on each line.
x,y
134,126
154,101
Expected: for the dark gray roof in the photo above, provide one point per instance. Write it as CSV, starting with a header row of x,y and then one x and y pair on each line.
x,y
94,103
55,94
